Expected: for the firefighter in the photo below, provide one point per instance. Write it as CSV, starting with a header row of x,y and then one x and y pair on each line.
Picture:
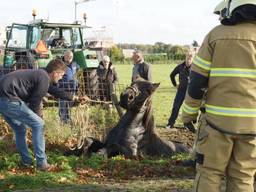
x,y
219,10
226,66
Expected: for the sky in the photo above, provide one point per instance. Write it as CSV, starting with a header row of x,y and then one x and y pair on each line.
x,y
127,21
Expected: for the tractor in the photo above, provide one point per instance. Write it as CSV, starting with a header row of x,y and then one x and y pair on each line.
x,y
33,45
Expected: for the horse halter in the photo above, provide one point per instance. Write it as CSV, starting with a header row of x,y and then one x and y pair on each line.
x,y
134,89
136,92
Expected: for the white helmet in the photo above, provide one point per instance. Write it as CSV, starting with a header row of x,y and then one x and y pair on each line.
x,y
220,7
233,4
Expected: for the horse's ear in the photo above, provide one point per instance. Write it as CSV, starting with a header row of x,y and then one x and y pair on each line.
x,y
155,86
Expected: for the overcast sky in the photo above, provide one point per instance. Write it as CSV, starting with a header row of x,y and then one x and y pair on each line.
x,y
128,21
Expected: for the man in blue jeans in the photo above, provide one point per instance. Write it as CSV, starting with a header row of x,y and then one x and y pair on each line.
x,y
183,71
21,93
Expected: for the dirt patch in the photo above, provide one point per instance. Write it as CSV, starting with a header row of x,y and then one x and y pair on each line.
x,y
180,135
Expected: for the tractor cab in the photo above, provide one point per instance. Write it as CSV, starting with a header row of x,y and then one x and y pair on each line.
x,y
36,43
33,45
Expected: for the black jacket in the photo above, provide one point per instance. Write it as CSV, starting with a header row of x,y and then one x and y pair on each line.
x,y
144,71
183,71
106,77
30,86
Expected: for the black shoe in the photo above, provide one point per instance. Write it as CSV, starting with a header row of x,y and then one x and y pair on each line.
x,y
190,127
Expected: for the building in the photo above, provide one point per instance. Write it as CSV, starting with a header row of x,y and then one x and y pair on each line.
x,y
99,39
127,53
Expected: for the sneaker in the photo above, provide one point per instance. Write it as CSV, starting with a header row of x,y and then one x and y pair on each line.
x,y
44,167
25,165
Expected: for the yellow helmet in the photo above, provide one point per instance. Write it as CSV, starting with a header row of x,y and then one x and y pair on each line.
x,y
220,7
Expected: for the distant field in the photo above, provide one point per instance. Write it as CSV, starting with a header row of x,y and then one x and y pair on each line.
x,y
164,96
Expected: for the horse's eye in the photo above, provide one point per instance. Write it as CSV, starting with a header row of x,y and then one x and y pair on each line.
x,y
130,97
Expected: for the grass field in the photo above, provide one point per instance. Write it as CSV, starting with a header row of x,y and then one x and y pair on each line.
x,y
96,173
163,98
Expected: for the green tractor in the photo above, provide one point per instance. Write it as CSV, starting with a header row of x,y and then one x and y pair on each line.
x,y
33,45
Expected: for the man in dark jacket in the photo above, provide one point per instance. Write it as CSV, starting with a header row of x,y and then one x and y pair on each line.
x,y
21,93
182,70
140,68
107,78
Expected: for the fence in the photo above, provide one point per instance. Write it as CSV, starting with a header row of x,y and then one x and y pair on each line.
x,y
64,118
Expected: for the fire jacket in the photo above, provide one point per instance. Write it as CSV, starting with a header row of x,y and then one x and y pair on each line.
x,y
226,66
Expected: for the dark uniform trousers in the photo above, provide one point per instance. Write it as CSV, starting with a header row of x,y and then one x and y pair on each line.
x,y
179,98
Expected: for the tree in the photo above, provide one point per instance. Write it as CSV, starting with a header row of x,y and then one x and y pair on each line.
x,y
116,54
177,53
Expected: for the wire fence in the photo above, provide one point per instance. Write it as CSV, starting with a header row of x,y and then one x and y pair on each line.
x,y
64,117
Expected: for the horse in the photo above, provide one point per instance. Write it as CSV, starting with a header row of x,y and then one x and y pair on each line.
x,y
134,135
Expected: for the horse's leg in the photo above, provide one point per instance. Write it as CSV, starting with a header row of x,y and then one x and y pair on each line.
x,y
92,146
116,149
134,149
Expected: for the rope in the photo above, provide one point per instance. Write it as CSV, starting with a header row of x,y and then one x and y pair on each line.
x,y
80,125
96,101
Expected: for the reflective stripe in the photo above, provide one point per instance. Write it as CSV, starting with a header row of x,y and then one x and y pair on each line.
x,y
233,72
190,110
229,111
202,63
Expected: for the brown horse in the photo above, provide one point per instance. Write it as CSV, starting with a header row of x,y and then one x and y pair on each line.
x,y
135,132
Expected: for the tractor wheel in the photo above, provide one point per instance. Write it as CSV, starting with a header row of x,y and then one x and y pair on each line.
x,y
91,83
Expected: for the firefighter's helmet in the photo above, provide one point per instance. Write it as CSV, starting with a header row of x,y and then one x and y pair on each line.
x,y
220,7
233,4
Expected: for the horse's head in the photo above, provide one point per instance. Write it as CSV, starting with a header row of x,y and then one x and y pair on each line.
x,y
134,96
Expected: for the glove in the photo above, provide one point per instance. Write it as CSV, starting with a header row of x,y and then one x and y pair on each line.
x,y
190,126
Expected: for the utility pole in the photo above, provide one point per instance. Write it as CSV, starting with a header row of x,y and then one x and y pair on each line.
x,y
77,3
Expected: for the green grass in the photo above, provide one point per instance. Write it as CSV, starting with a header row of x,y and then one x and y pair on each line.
x,y
97,173
163,98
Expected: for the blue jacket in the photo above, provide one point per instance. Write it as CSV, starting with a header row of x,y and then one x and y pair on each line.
x,y
69,82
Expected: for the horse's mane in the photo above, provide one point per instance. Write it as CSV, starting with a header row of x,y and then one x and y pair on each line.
x,y
148,119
